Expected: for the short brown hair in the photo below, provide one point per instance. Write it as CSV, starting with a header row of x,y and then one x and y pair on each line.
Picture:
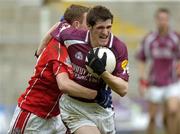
x,y
75,12
98,13
162,10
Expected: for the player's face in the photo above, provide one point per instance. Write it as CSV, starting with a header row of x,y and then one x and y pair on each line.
x,y
83,25
162,20
100,33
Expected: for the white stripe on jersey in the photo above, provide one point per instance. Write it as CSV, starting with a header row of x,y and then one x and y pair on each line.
x,y
68,43
111,40
58,69
174,37
53,106
59,46
64,26
28,92
58,58
147,43
43,70
41,74
87,35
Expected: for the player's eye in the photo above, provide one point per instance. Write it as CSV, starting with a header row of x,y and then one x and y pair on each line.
x,y
108,27
100,27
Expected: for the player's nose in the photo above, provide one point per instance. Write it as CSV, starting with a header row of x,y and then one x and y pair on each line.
x,y
105,32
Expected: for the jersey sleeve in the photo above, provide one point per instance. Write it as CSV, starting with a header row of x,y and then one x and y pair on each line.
x,y
58,52
144,50
66,34
122,65
178,47
59,67
63,32
58,55
140,55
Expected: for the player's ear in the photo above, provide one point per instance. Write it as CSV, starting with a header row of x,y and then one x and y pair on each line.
x,y
76,24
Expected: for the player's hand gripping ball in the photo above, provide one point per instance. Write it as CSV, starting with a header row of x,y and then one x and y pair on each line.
x,y
100,59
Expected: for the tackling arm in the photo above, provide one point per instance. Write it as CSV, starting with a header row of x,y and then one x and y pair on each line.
x,y
178,59
72,88
143,83
178,68
46,39
141,69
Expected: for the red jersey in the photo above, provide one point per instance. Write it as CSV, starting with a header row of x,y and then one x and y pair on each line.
x,y
42,95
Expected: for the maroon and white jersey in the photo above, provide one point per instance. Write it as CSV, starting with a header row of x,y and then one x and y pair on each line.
x,y
42,95
163,52
78,45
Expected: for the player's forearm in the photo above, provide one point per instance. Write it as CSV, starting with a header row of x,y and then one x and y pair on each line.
x,y
141,69
43,43
178,68
46,39
117,84
74,89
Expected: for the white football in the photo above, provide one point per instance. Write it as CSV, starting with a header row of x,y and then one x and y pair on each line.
x,y
110,61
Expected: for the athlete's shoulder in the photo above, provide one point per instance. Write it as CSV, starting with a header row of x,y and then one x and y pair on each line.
x,y
175,36
51,52
174,32
67,32
149,38
118,46
118,43
151,34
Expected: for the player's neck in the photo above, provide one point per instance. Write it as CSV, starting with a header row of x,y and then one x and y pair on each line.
x,y
93,43
163,31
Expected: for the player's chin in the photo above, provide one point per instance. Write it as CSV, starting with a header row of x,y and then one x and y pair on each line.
x,y
103,44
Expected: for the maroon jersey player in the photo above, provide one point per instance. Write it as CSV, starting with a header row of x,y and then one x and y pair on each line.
x,y
38,107
79,43
162,49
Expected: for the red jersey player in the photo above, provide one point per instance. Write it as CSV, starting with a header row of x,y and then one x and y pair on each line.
x,y
38,107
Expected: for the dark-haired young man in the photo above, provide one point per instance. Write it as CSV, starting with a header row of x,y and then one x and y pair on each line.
x,y
84,116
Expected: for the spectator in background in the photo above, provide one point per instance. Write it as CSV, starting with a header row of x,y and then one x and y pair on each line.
x,y
162,49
